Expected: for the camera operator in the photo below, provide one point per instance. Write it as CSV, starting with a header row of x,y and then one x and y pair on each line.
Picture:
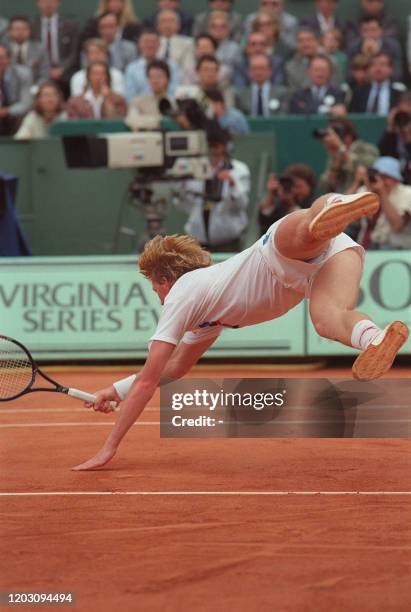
x,y
291,191
390,228
217,207
345,153
396,139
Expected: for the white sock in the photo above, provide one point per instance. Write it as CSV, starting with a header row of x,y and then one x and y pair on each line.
x,y
363,334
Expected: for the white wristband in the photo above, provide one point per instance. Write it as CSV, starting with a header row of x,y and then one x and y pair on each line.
x,y
123,386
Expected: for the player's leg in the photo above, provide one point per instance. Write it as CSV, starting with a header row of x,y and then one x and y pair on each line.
x,y
305,234
333,298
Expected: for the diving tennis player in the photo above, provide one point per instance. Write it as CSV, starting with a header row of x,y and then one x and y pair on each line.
x,y
302,255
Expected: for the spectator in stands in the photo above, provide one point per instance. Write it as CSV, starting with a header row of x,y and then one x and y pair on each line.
x,y
26,52
381,94
229,118
257,45
15,97
174,46
288,23
269,25
409,45
129,25
371,42
186,21
293,190
217,208
228,51
60,38
236,20
48,106
320,96
136,72
345,153
205,44
208,69
390,228
359,71
96,50
121,52
332,43
261,98
396,139
324,19
143,111
98,101
296,69
371,8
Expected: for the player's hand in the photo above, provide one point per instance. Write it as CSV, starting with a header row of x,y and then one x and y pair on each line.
x,y
101,458
103,399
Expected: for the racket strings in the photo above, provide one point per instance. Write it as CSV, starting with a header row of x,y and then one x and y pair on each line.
x,y
16,371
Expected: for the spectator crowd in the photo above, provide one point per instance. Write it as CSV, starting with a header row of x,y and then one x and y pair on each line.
x,y
264,64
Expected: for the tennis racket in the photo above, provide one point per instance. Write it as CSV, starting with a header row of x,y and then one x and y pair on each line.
x,y
18,372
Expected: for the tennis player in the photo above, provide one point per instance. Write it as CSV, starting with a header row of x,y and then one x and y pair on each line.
x,y
302,255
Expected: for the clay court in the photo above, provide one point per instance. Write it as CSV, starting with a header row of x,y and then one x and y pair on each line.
x,y
205,524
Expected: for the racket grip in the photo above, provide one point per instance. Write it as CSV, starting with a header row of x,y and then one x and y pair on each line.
x,y
87,397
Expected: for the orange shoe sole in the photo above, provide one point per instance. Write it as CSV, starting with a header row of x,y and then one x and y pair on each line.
x,y
378,358
333,220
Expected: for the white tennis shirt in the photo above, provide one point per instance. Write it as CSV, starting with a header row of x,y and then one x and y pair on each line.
x,y
234,293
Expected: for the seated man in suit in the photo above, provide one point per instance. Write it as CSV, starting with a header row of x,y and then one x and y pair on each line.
x,y
296,69
320,96
373,41
186,21
26,52
371,8
174,46
257,45
136,73
143,111
60,38
324,19
121,52
15,98
261,98
381,94
236,20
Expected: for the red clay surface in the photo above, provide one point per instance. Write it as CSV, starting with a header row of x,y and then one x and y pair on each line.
x,y
200,552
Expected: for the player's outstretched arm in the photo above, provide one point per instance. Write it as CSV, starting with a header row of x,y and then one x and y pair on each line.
x,y
139,395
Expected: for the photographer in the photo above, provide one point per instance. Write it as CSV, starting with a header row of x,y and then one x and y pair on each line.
x,y
218,207
345,153
390,228
396,139
291,191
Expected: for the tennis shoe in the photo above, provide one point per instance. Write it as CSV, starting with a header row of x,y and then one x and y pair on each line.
x,y
341,210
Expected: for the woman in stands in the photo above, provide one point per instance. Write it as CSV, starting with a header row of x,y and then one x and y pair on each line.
x,y
98,101
48,106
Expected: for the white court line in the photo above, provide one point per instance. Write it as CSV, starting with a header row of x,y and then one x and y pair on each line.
x,y
251,493
51,410
138,423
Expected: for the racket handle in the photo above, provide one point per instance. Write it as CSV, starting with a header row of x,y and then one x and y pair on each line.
x,y
87,397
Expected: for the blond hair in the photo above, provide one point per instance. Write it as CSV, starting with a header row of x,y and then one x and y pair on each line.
x,y
169,257
127,16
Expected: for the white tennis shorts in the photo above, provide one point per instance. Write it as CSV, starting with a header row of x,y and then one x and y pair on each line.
x,y
299,275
